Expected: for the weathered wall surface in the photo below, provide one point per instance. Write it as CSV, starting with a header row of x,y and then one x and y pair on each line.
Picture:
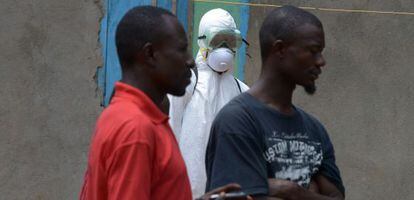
x,y
366,93
49,54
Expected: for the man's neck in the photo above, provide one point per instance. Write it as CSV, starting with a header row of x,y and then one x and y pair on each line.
x,y
274,90
146,86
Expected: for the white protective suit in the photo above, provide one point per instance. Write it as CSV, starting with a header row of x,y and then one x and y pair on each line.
x,y
191,116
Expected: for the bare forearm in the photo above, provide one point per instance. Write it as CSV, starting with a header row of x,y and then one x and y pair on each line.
x,y
266,198
312,196
322,189
308,195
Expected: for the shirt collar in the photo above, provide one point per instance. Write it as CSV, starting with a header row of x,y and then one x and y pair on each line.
x,y
141,99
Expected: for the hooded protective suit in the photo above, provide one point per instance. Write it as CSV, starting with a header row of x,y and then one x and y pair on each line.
x,y
191,116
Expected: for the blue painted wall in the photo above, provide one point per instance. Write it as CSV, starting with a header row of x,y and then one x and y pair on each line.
x,y
167,4
182,12
116,9
243,26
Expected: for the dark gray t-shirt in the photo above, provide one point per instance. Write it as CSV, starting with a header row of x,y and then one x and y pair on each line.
x,y
251,142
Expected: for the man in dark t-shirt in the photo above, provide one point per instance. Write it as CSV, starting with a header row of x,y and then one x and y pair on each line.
x,y
260,139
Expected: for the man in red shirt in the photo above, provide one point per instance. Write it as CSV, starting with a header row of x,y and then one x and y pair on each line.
x,y
134,154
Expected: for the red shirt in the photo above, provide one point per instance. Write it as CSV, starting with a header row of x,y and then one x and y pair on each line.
x,y
134,154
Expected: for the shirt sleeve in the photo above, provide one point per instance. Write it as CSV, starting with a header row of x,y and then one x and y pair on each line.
x,y
129,174
234,156
329,169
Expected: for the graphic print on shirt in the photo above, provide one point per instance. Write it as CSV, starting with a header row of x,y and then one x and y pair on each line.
x,y
293,156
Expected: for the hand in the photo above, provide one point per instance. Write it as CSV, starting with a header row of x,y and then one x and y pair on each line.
x,y
222,191
284,189
289,190
313,187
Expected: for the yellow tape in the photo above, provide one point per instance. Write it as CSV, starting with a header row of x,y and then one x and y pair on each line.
x,y
310,8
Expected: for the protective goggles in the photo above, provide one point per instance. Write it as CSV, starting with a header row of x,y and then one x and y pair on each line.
x,y
216,37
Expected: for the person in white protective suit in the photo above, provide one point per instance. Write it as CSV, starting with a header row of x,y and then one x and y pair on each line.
x,y
191,116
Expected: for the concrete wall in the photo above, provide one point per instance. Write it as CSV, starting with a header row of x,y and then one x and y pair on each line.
x,y
49,54
366,93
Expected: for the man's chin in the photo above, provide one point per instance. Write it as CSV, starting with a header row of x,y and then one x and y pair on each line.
x,y
177,93
310,89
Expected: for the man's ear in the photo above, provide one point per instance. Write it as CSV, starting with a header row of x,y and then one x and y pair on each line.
x,y
278,48
149,54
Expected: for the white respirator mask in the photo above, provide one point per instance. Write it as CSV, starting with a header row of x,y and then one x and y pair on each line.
x,y
221,59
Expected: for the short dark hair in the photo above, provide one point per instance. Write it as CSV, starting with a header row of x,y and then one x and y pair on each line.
x,y
138,26
281,23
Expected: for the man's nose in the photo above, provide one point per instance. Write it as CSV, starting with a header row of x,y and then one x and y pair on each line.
x,y
320,61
